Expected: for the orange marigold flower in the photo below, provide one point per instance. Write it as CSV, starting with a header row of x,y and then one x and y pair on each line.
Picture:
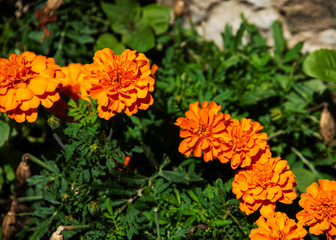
x,y
72,84
242,142
202,129
119,82
264,182
26,81
319,208
278,226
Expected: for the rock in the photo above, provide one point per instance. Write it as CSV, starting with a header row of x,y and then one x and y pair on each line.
x,y
260,3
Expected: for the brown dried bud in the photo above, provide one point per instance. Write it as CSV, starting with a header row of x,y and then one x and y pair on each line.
x,y
327,125
53,4
56,236
179,8
8,223
23,172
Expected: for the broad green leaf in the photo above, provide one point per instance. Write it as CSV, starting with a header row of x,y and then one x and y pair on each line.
x,y
304,178
316,85
141,38
4,132
157,16
321,64
108,40
121,11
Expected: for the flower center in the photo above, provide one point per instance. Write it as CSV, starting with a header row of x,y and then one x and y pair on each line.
x,y
203,130
240,139
16,74
120,78
262,174
325,205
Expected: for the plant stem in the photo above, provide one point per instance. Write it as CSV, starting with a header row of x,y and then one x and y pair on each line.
x,y
37,161
30,198
156,215
58,140
277,133
306,162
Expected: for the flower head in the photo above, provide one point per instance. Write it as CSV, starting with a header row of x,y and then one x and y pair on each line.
x,y
119,82
72,84
202,129
278,226
26,81
264,182
242,142
319,208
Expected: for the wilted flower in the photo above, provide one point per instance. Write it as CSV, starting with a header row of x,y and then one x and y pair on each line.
x,y
26,81
319,208
242,142
202,129
327,125
8,223
264,182
278,226
119,82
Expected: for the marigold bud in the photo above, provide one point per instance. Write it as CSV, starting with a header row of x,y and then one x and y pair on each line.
x,y
54,122
94,208
23,172
327,125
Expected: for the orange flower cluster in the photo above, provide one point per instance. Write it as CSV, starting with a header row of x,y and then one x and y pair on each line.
x,y
263,180
319,208
119,82
263,183
218,136
26,81
278,226
202,130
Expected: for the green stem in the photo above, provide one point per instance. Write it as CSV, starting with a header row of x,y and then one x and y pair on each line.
x,y
30,198
156,215
306,162
277,133
78,227
24,199
37,161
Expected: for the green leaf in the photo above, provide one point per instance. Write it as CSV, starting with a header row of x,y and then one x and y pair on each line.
x,y
108,40
4,132
316,85
42,228
304,178
10,175
157,16
293,53
121,11
140,38
279,40
173,176
321,64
